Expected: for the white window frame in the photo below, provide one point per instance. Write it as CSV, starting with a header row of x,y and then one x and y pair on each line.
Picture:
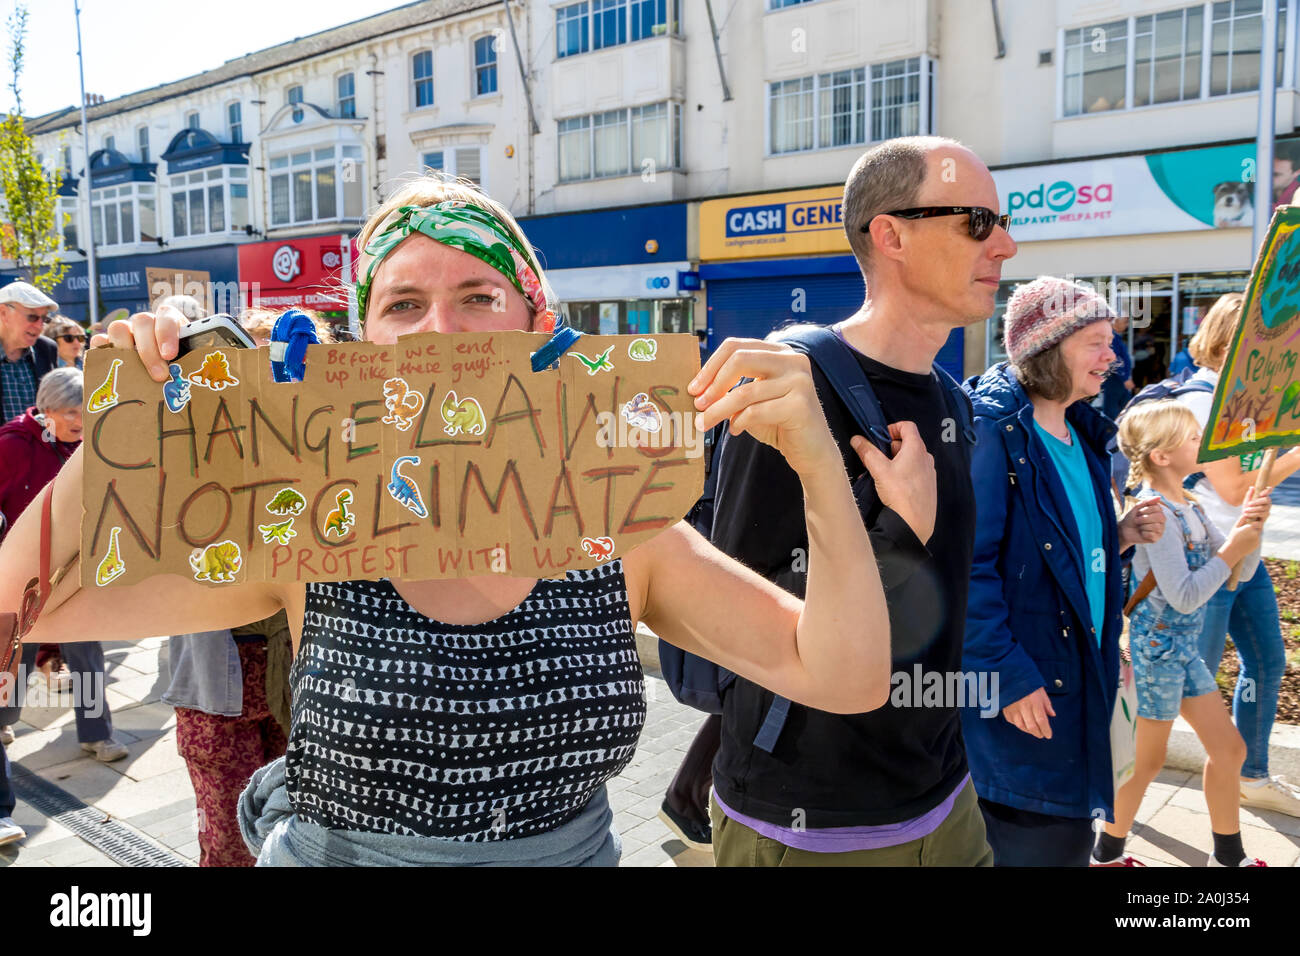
x,y
416,81
228,178
289,91
451,160
289,163
237,124
339,100
925,104
192,119
142,144
475,67
114,197
674,118
72,206
672,25
1289,37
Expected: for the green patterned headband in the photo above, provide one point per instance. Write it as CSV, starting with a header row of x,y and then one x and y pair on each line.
x,y
468,228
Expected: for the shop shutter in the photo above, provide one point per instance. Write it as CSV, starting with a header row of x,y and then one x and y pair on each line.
x,y
751,308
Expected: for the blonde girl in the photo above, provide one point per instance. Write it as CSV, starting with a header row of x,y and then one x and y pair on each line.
x,y
1189,562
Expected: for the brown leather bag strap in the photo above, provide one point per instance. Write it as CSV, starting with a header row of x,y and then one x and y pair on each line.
x,y
1144,589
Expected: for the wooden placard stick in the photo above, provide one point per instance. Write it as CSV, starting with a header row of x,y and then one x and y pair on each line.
x,y
1260,484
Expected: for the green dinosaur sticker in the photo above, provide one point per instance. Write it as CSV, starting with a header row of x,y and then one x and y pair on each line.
x,y
600,363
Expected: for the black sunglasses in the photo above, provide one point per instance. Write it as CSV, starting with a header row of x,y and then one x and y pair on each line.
x,y
981,223
72,337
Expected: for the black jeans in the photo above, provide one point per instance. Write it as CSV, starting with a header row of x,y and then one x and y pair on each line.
x,y
1024,838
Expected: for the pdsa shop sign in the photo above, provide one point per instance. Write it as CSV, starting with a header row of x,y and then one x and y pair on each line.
x,y
1173,191
807,221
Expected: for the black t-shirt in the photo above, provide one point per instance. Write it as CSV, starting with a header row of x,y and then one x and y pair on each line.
x,y
894,763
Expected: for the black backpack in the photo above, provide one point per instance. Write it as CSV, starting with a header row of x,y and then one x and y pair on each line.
x,y
700,683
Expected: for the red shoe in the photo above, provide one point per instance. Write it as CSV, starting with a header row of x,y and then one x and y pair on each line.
x,y
1122,861
1248,861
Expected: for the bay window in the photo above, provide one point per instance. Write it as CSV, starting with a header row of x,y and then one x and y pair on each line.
x,y
313,185
121,215
209,201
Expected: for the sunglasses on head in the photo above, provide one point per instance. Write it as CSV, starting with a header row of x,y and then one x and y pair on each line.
x,y
980,224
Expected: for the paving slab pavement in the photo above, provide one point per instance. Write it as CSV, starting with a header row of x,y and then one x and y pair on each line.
x,y
149,791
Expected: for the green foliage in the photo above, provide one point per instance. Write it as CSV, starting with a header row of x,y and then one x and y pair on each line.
x,y
32,234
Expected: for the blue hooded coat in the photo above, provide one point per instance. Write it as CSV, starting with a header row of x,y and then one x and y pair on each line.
x,y
1028,619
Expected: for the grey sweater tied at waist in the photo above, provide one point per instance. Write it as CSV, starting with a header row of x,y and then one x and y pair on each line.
x,y
277,837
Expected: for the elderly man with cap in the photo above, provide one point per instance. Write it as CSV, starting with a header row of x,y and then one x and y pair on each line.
x,y
28,354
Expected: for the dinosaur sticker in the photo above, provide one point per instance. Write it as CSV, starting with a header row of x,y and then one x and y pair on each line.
x,y
286,502
281,532
642,350
217,562
600,363
642,413
404,490
176,393
340,519
403,403
112,566
214,373
463,416
602,549
105,396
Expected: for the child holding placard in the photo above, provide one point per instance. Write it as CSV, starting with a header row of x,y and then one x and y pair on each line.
x,y
1189,562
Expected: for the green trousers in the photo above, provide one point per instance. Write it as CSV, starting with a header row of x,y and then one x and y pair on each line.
x,y
958,841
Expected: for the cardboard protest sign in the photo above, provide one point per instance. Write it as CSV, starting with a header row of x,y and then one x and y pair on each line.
x,y
440,456
1257,403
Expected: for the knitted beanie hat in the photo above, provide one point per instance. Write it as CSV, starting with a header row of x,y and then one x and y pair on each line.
x,y
1044,312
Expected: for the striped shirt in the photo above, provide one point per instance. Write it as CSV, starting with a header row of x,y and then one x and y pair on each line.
x,y
403,724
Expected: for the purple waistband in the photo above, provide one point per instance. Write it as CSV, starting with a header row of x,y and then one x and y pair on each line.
x,y
848,839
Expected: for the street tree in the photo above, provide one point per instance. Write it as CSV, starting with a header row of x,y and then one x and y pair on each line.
x,y
32,231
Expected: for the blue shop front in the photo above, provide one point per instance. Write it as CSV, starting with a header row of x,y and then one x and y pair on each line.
x,y
619,270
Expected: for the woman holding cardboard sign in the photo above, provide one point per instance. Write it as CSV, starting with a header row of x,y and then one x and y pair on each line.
x,y
1249,611
521,696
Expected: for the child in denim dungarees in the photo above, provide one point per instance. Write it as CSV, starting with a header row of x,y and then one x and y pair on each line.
x,y
1190,562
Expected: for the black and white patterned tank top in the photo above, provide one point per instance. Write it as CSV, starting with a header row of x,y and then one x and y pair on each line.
x,y
403,724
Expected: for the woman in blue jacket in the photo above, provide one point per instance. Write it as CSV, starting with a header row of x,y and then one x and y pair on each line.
x,y
1045,606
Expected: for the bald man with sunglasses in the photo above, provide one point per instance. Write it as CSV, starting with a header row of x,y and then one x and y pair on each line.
x,y
890,787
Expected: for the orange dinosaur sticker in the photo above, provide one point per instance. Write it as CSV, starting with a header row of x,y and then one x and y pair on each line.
x,y
214,373
602,549
402,402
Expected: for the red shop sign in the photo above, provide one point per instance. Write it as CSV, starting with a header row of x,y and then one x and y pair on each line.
x,y
297,273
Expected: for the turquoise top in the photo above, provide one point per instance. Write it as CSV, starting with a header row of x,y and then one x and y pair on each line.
x,y
1072,469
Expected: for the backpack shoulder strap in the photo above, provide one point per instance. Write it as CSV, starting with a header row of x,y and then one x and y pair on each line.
x,y
838,363
959,403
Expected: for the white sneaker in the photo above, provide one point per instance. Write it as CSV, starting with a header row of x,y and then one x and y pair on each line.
x,y
1248,861
106,751
6,735
10,832
1275,794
